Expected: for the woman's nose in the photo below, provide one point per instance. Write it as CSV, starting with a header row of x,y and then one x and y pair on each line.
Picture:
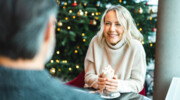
x,y
112,27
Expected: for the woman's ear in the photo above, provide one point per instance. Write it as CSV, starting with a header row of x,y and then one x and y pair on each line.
x,y
50,28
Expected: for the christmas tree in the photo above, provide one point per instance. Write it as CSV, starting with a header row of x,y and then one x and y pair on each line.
x,y
79,21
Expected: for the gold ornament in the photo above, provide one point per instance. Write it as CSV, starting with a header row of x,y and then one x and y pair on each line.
x,y
75,51
97,13
84,40
66,18
60,23
57,61
86,12
74,17
140,10
77,47
80,13
70,11
150,18
68,27
142,42
151,44
97,18
137,24
65,3
52,61
94,22
77,66
140,29
52,70
58,52
85,4
58,29
64,61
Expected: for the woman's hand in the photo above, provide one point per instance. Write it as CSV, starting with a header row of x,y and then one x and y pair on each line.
x,y
112,84
102,82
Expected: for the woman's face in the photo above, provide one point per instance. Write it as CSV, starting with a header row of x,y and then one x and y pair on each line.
x,y
113,31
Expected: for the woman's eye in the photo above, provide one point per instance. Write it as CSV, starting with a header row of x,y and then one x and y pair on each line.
x,y
118,24
107,23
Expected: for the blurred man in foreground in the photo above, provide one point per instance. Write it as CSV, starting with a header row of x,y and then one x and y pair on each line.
x,y
27,40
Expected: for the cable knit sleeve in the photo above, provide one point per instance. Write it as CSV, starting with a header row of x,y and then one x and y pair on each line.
x,y
91,77
137,77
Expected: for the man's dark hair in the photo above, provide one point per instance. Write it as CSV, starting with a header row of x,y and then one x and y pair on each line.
x,y
22,26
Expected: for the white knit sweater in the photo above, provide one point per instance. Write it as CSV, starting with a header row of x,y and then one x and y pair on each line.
x,y
129,63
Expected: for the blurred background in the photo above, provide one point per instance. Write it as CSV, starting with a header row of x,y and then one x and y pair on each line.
x,y
79,20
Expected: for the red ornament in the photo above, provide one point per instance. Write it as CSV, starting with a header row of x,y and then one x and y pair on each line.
x,y
154,29
74,4
91,22
147,3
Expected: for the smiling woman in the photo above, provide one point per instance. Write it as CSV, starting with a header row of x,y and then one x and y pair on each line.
x,y
117,45
113,31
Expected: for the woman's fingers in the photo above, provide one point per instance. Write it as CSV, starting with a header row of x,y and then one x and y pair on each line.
x,y
115,77
102,83
102,79
101,87
100,75
111,88
111,84
112,81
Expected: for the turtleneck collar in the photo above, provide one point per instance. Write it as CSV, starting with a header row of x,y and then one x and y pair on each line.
x,y
116,46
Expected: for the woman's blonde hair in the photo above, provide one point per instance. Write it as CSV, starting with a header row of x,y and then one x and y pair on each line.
x,y
125,19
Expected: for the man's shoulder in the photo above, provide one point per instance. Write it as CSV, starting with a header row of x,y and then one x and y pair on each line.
x,y
65,92
37,85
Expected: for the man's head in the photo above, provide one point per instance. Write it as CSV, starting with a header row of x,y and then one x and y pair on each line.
x,y
23,25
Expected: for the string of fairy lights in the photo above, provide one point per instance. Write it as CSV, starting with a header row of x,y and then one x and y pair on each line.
x,y
92,22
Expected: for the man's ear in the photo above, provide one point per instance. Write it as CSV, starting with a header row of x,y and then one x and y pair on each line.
x,y
50,28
